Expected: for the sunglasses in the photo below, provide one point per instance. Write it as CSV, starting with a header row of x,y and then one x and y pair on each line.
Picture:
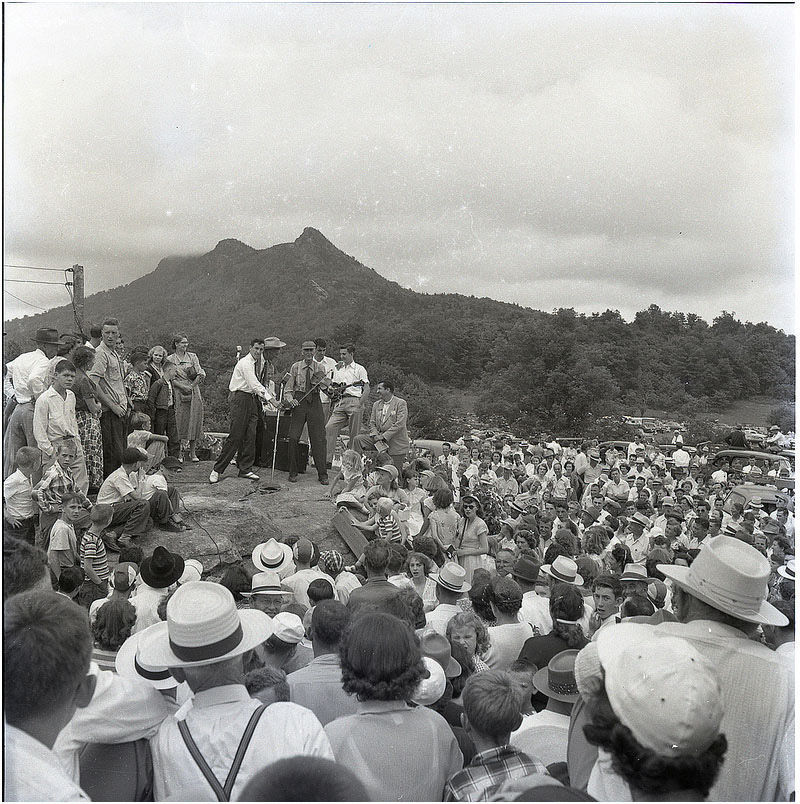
x,y
468,505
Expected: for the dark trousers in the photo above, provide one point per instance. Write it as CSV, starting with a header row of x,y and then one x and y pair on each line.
x,y
309,412
265,439
8,410
112,428
132,515
241,440
165,424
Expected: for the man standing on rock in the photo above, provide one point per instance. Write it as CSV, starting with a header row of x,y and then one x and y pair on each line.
x,y
349,410
306,377
245,393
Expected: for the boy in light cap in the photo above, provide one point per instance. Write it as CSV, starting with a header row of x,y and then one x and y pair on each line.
x,y
657,713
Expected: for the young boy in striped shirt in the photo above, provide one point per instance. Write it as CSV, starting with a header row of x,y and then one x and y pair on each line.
x,y
94,559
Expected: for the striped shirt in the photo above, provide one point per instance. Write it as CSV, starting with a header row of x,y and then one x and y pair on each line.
x,y
92,547
105,659
389,528
487,771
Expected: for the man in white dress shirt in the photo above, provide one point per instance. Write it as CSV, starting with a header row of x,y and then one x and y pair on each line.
x,y
24,381
203,643
244,398
349,410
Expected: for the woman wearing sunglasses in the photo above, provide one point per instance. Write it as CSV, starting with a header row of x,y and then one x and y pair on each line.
x,y
472,538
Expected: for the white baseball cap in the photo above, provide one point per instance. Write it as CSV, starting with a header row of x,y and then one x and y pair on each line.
x,y
661,688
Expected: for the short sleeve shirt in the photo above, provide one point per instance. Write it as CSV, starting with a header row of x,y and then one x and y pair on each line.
x,y
115,487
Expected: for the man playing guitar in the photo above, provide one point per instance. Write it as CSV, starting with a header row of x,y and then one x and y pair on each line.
x,y
349,410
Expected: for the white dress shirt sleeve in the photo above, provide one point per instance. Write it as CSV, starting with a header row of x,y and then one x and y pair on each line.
x,y
41,414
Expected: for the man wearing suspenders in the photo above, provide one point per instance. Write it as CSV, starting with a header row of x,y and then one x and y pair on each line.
x,y
219,739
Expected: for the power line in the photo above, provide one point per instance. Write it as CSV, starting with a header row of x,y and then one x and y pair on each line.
x,y
35,307
34,268
35,282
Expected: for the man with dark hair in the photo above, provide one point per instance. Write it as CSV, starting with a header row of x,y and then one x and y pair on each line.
x,y
306,376
244,398
377,588
387,426
95,337
320,589
47,648
305,779
607,593
25,568
320,345
349,410
318,685
108,375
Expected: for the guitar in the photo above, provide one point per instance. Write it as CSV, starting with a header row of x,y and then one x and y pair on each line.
x,y
336,390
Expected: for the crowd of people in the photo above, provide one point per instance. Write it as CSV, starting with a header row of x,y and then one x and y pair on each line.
x,y
523,622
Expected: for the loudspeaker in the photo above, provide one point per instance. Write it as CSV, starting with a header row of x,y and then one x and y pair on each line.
x,y
282,456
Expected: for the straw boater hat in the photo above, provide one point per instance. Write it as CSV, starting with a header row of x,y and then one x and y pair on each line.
x,y
265,583
204,627
635,572
452,577
557,680
787,570
129,662
273,555
563,569
732,577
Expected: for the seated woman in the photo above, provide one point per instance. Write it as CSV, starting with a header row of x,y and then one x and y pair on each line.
x,y
347,481
382,666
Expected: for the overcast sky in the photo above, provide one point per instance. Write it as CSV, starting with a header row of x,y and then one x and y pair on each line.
x,y
555,156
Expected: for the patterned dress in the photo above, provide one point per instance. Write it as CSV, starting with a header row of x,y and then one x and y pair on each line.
x,y
89,429
188,401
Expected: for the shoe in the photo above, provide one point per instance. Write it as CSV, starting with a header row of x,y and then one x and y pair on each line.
x,y
171,527
293,477
233,461
323,481
184,526
249,476
213,477
195,459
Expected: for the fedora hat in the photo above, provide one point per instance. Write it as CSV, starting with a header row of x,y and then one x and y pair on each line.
x,y
162,569
635,572
732,577
787,570
265,583
557,680
389,468
639,519
204,627
273,343
563,569
130,664
435,646
452,577
273,555
526,569
46,335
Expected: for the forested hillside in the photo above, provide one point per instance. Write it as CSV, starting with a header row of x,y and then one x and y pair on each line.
x,y
529,369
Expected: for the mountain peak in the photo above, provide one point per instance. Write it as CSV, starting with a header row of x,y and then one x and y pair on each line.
x,y
231,246
314,237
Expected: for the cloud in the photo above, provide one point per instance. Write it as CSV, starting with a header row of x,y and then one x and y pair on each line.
x,y
639,153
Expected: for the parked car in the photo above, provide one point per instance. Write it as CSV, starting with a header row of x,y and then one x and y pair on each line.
x,y
426,446
770,496
767,461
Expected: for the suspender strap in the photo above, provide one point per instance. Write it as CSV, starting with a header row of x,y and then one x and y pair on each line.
x,y
222,793
242,750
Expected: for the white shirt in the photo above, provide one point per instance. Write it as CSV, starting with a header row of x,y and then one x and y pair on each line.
x,y
681,458
536,611
299,582
17,491
115,487
330,367
244,378
440,616
33,772
543,736
121,710
216,720
505,644
53,418
145,602
27,373
350,374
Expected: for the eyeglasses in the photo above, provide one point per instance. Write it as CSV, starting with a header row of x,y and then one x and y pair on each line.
x,y
468,505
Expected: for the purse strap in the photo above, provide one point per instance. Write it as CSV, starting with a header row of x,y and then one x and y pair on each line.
x,y
223,793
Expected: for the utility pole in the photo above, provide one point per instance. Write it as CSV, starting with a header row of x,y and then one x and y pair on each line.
x,y
78,294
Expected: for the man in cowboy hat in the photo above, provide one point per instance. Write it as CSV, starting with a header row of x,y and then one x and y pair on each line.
x,y
24,382
720,601
159,573
451,584
306,378
203,643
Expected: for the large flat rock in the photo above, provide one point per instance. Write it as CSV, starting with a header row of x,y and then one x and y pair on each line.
x,y
230,517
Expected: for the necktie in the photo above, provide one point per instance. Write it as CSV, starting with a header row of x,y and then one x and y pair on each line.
x,y
308,378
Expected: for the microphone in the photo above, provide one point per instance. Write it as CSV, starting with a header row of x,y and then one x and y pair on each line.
x,y
340,365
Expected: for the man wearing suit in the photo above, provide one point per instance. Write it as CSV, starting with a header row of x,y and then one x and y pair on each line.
x,y
387,426
303,397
